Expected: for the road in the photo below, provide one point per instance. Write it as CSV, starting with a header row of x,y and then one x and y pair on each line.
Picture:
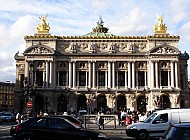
x,y
5,127
119,135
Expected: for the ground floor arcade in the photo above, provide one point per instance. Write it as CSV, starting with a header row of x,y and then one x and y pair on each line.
x,y
60,101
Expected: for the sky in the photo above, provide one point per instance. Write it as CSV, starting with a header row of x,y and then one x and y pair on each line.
x,y
19,18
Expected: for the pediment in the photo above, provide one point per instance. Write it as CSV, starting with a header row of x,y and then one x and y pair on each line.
x,y
164,49
39,49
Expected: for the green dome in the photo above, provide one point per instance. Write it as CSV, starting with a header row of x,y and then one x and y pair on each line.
x,y
99,30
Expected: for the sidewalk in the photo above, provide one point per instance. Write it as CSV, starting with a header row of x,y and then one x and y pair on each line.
x,y
108,129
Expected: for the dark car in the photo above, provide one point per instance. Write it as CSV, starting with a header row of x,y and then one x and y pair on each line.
x,y
177,132
71,119
7,116
53,128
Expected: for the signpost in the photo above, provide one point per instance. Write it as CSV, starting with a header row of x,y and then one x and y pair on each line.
x,y
29,104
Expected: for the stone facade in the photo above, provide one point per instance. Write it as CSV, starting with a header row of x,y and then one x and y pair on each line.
x,y
101,71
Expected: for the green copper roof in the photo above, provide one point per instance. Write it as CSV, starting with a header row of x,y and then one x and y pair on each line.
x,y
99,30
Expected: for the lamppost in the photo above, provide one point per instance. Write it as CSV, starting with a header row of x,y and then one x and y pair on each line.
x,y
46,103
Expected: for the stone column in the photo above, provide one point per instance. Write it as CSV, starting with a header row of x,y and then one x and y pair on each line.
x,y
169,78
78,79
113,75
97,85
109,74
145,78
86,79
106,79
94,75
70,74
172,74
126,79
51,74
152,74
136,79
129,74
90,75
74,74
133,74
58,78
47,74
156,71
26,72
54,73
67,80
44,79
176,75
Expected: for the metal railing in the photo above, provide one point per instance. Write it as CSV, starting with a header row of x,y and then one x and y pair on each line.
x,y
90,120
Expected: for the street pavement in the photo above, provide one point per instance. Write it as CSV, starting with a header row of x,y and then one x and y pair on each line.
x,y
108,129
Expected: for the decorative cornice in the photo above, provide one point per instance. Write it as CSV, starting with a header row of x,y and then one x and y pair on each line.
x,y
102,37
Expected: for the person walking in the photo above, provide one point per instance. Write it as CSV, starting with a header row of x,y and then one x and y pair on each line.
x,y
18,118
119,117
100,121
123,116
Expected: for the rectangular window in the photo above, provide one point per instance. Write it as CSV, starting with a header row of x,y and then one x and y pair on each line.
x,y
164,78
141,78
82,78
62,78
22,81
101,78
121,78
39,78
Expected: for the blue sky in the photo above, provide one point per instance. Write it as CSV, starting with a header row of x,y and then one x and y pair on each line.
x,y
19,18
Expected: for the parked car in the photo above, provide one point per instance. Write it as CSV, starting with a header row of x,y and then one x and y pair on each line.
x,y
177,132
71,118
53,128
157,123
7,116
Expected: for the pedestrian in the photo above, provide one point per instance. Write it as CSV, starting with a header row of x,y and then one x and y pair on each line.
x,y
119,116
100,122
45,114
123,116
22,118
41,114
128,120
18,118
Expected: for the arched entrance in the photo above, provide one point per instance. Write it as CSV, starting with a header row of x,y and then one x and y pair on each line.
x,y
62,104
39,104
101,103
141,104
81,102
164,102
121,102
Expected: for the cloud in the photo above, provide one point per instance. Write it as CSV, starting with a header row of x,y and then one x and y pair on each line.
x,y
73,17
11,41
131,24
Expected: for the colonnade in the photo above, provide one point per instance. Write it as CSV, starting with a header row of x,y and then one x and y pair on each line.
x,y
151,75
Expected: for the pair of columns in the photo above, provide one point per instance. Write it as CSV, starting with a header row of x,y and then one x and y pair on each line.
x,y
172,76
90,80
48,74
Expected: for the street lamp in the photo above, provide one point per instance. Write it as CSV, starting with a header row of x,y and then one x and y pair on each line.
x,y
46,104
